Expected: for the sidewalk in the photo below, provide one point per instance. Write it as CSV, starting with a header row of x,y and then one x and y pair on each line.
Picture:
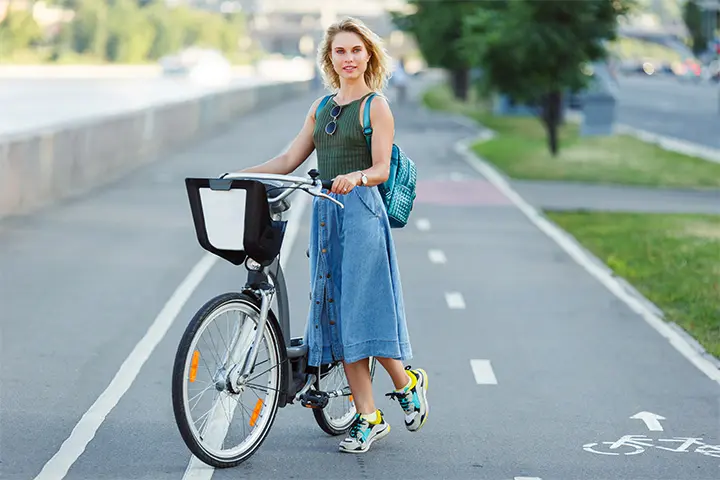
x,y
549,195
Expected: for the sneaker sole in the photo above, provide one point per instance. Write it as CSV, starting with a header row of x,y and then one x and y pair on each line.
x,y
369,444
424,394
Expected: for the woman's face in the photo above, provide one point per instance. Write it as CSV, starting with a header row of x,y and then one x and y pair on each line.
x,y
349,55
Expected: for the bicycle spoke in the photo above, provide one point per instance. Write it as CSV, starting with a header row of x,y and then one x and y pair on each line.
x,y
256,376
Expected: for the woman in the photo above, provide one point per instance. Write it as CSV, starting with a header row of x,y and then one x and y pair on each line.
x,y
357,307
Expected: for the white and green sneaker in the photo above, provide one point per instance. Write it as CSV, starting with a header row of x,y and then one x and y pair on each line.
x,y
413,399
363,433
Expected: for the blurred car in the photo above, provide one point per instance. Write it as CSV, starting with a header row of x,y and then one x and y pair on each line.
x,y
204,66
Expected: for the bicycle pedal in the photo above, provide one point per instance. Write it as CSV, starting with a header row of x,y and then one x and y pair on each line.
x,y
314,399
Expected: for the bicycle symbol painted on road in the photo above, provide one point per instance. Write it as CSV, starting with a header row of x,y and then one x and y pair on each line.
x,y
636,444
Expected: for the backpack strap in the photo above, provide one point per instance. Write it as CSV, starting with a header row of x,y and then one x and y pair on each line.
x,y
367,128
323,102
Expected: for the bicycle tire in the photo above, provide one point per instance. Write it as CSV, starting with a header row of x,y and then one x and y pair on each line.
x,y
182,356
321,414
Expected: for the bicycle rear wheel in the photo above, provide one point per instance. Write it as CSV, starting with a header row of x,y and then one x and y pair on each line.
x,y
339,413
226,430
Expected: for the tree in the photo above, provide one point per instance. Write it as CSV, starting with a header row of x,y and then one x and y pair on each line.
x,y
18,30
693,17
437,28
533,51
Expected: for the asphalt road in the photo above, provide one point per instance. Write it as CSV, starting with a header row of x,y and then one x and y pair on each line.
x,y
530,359
685,110
32,103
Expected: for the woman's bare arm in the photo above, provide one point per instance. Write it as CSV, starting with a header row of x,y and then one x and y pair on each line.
x,y
383,125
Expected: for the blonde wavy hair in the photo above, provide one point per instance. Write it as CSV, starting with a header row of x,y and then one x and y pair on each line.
x,y
378,68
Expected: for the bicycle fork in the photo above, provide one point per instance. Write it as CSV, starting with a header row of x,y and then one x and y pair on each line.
x,y
240,373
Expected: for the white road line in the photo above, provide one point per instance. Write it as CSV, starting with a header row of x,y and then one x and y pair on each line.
x,y
455,300
528,478
74,446
593,266
483,372
423,224
197,470
437,256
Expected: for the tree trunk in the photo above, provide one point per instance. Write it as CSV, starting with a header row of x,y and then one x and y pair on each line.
x,y
552,115
461,83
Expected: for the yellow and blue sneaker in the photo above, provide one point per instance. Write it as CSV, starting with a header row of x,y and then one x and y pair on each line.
x,y
413,398
363,432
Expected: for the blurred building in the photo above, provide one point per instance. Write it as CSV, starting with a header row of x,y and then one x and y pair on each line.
x,y
294,27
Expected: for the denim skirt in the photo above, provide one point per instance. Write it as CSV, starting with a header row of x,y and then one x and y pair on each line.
x,y
356,308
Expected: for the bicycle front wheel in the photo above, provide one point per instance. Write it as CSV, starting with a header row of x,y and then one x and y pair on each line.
x,y
221,423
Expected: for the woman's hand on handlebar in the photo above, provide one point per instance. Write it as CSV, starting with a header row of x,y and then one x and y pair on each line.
x,y
344,184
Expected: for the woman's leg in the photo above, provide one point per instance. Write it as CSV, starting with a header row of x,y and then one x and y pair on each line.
x,y
358,375
396,370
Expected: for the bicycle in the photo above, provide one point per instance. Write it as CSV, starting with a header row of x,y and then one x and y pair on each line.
x,y
237,218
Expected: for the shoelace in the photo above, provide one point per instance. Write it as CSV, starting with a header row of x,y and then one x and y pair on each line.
x,y
402,398
356,426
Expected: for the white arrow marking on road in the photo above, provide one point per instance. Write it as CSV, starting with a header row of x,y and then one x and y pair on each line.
x,y
437,256
652,420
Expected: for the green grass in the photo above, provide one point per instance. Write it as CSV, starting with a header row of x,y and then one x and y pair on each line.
x,y
673,260
520,150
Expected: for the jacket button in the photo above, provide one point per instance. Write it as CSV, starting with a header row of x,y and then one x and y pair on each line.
x,y
330,300
332,322
324,250
328,275
322,224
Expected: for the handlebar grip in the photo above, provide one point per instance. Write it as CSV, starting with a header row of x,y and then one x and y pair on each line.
x,y
327,184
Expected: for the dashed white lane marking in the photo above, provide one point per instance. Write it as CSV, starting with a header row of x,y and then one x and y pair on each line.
x,y
483,372
423,224
437,256
592,265
528,478
455,300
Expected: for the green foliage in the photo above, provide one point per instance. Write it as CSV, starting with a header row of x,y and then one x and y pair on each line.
x,y
437,28
18,30
532,51
125,31
528,48
693,17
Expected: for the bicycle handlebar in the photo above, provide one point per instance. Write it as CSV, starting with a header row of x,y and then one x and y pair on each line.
x,y
312,185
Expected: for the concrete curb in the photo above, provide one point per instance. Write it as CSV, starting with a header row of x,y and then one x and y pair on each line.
x,y
43,166
620,287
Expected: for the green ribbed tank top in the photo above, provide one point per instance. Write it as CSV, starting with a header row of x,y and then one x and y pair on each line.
x,y
346,150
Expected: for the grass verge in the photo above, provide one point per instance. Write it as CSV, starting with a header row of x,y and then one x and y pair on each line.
x,y
520,150
672,259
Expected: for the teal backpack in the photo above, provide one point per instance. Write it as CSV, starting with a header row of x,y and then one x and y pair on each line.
x,y
399,190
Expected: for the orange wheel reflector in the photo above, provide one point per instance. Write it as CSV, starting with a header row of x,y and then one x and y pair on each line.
x,y
194,365
256,412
